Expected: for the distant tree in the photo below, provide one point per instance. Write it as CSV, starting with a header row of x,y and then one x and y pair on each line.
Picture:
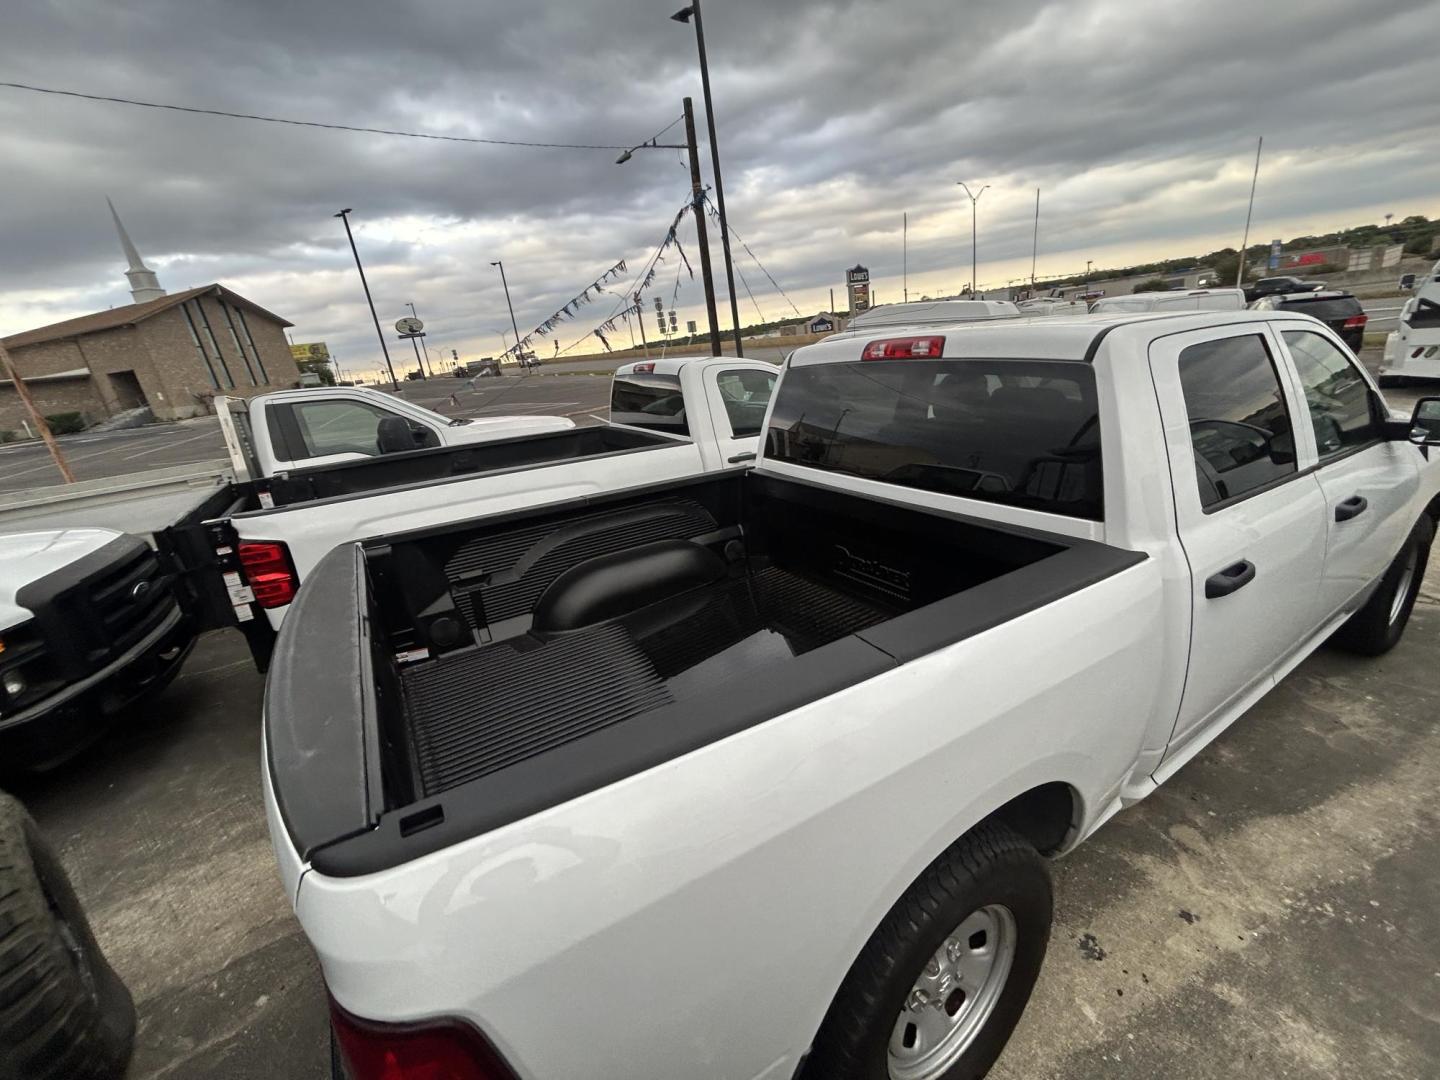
x,y
1421,243
318,367
1153,284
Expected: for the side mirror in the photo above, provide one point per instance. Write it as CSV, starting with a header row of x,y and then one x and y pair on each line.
x,y
1425,422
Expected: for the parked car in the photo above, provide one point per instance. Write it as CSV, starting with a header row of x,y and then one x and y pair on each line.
x,y
1174,300
1412,350
1273,285
777,756
90,625
1336,309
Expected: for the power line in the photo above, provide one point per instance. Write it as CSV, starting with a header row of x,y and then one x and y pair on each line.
x,y
752,255
320,124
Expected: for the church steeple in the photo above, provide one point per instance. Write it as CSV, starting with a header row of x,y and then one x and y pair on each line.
x,y
144,285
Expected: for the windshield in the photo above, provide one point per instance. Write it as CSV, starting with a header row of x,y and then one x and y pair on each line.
x,y
1020,432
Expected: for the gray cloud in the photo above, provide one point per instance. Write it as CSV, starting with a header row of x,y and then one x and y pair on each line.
x,y
1137,121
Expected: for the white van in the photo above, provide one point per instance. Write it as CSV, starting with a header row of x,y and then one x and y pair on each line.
x,y
1179,300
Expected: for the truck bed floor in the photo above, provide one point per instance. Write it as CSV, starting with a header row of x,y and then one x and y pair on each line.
x,y
474,712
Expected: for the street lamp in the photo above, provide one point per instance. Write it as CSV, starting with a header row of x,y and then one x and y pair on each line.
x,y
343,215
974,257
683,16
511,306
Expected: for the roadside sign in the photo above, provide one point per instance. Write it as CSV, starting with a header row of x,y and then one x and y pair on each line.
x,y
1277,247
409,325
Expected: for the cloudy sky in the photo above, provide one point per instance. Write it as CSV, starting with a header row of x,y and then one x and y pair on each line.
x,y
1137,121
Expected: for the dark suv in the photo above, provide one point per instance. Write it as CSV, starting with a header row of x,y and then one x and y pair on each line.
x,y
1338,310
1274,286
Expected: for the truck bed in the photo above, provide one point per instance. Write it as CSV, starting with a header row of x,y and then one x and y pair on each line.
x,y
495,668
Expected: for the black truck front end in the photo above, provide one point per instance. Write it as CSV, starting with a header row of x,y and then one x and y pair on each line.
x,y
106,631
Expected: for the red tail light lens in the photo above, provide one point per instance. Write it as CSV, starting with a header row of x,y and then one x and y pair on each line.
x,y
1356,321
643,369
268,572
447,1050
904,348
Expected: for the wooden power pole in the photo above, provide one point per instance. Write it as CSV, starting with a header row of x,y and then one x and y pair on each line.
x,y
35,417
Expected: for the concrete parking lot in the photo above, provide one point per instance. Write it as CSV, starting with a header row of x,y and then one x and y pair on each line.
x,y
1269,912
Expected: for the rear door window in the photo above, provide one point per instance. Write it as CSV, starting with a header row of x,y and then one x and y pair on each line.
x,y
647,400
1020,432
1240,428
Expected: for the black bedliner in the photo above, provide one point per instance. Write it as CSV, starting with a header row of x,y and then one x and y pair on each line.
x,y
516,662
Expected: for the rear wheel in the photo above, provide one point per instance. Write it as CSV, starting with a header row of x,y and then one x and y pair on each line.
x,y
1376,628
64,1013
940,985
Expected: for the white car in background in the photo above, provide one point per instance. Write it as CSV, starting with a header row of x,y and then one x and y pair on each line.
x,y
1178,300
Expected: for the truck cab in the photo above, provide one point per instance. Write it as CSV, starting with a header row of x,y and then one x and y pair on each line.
x,y
1413,350
296,429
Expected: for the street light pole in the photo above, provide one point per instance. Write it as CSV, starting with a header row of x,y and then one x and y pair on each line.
x,y
416,342
1240,269
684,15
514,326
974,256
344,215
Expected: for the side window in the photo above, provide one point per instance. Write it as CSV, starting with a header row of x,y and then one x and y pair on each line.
x,y
746,395
1240,429
350,427
1342,409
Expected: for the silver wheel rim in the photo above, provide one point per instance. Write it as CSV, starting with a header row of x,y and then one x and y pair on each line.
x,y
1402,587
957,990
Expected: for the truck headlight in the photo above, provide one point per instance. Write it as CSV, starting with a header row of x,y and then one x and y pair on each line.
x,y
14,683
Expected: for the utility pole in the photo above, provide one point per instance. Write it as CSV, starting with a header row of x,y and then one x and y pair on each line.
x,y
524,364
697,192
905,254
640,320
1240,269
344,215
684,16
974,256
35,418
1035,241
832,301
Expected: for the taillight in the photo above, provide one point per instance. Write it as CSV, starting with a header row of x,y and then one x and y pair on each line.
x,y
268,572
444,1050
643,369
1356,321
904,348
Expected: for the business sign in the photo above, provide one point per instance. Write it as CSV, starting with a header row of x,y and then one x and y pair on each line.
x,y
314,350
857,275
409,325
821,325
1277,247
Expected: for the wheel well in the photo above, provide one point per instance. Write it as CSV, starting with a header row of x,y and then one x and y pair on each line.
x,y
1044,815
1433,512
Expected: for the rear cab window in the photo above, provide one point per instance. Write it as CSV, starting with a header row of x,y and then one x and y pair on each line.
x,y
648,400
1022,433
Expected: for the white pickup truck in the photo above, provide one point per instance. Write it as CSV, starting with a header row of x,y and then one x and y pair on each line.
x,y
1412,350
352,469
756,774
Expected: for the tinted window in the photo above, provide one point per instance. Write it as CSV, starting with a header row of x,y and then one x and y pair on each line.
x,y
1340,307
1024,433
649,401
746,395
1341,407
1239,426
1425,315
348,427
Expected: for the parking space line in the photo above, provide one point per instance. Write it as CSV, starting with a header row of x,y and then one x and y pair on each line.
x,y
167,445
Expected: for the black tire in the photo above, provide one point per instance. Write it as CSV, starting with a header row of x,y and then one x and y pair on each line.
x,y
990,865
1371,631
64,1013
